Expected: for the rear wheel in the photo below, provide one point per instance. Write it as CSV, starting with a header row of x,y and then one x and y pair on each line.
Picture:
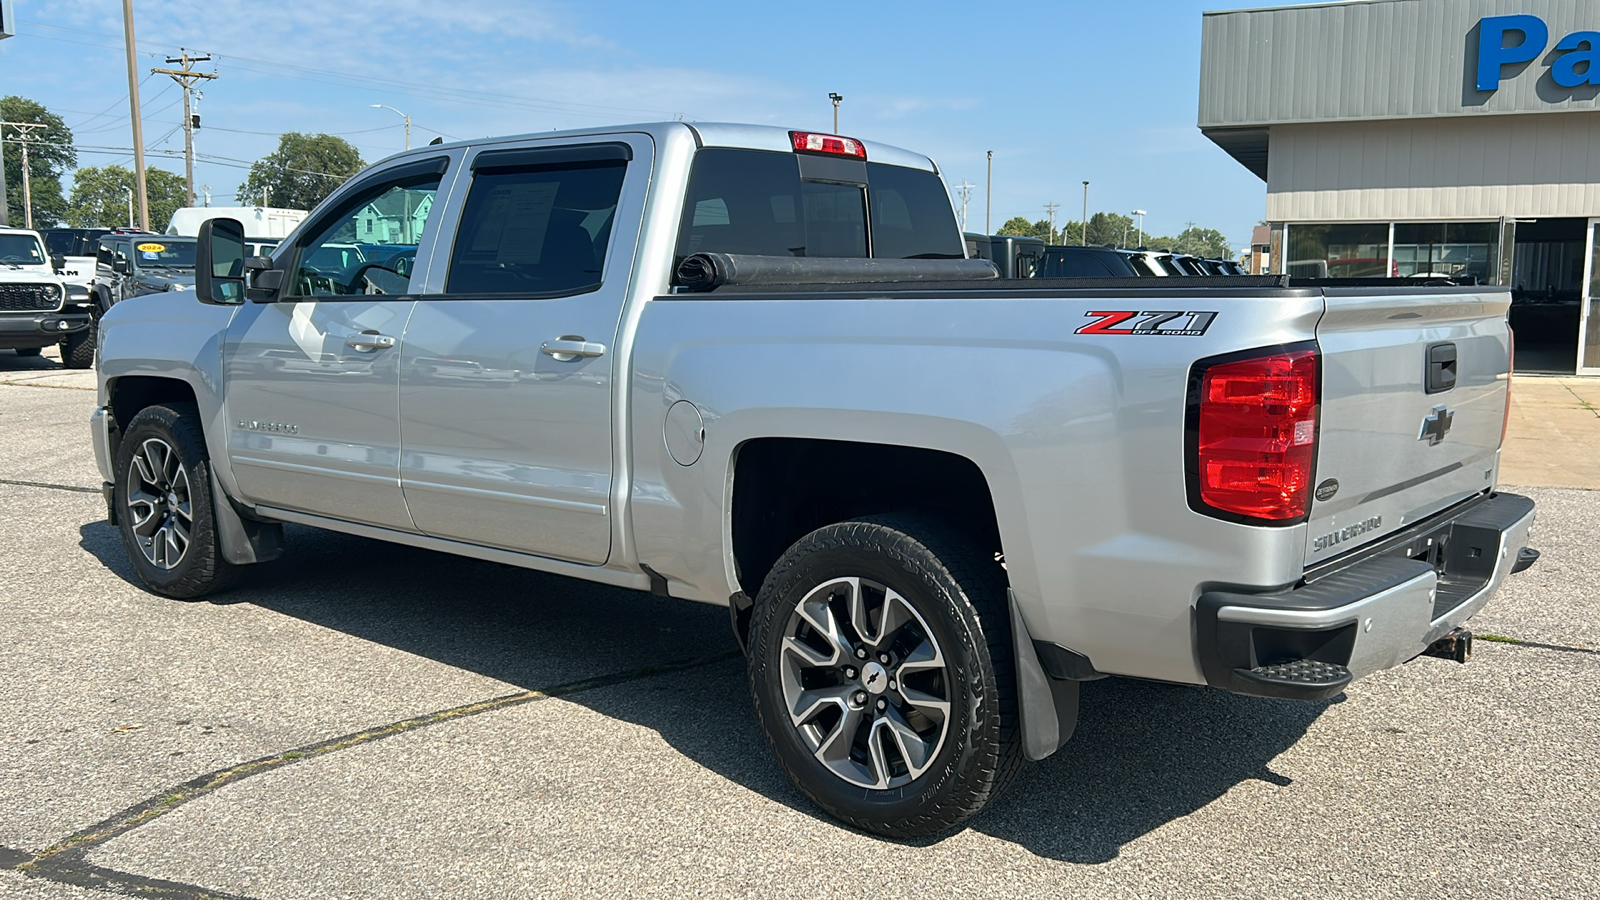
x,y
29,351
164,504
880,668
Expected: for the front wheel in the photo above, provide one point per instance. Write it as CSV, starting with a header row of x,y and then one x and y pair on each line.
x,y
880,669
77,351
163,500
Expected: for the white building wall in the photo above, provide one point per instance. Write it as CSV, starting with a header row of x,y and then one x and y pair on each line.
x,y
1480,167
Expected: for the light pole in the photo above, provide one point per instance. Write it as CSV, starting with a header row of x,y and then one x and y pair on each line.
x,y
130,206
403,116
1139,213
988,196
835,98
1086,214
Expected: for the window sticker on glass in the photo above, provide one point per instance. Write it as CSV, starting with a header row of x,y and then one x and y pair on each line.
x,y
151,251
516,220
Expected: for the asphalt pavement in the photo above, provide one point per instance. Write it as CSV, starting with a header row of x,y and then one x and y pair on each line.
x,y
364,720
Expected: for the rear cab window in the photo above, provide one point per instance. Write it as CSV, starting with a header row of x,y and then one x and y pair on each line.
x,y
772,203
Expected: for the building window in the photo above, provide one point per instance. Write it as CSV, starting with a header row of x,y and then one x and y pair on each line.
x,y
1338,251
1455,249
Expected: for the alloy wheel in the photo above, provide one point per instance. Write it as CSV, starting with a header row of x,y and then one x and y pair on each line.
x,y
159,503
866,685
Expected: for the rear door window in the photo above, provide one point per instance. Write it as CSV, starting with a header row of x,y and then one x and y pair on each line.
x,y
539,229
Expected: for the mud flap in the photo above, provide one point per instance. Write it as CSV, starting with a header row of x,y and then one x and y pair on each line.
x,y
1047,707
243,541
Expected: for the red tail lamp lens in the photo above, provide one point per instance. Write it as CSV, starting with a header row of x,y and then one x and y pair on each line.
x,y
1257,435
810,142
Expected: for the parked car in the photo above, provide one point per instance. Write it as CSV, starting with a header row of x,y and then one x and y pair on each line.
x,y
131,265
1014,256
765,377
36,309
1084,262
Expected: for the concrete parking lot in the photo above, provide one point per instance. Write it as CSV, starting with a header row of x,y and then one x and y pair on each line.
x,y
364,720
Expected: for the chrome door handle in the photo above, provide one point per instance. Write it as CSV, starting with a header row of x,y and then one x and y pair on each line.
x,y
571,346
368,341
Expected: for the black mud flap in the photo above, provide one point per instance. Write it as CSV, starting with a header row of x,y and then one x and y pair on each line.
x,y
1047,707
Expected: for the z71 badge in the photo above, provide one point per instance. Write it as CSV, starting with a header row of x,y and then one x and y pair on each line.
x,y
1181,324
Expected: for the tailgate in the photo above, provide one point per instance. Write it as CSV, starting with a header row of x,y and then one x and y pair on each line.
x,y
1389,451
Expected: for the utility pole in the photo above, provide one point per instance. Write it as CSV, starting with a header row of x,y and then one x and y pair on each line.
x,y
1086,214
966,192
27,185
186,77
5,204
138,125
1051,208
988,196
835,98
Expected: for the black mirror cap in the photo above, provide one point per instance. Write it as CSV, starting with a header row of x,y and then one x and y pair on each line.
x,y
58,262
219,262
119,266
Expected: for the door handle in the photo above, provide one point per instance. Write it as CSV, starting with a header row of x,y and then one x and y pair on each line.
x,y
368,341
570,347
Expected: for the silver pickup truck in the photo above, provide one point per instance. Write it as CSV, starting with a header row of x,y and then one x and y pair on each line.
x,y
750,367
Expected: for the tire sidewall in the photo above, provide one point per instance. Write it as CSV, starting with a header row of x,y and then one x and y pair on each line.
x,y
937,596
194,572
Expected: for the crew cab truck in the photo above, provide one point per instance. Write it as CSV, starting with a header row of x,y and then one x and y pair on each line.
x,y
750,367
36,307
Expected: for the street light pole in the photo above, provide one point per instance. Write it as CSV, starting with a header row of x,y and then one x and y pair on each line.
x,y
1140,214
403,116
835,98
988,196
1086,214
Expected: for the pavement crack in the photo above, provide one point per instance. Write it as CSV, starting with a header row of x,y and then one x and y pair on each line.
x,y
56,387
48,486
65,861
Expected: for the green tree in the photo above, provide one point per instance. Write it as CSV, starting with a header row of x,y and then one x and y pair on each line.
x,y
50,153
100,196
1206,242
1112,228
302,171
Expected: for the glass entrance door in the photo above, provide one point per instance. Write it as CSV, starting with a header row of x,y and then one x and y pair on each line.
x,y
1589,322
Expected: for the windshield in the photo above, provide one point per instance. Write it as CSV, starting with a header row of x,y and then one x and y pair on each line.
x,y
164,254
21,249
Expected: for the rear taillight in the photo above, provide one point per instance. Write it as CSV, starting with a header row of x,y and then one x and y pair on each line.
x,y
811,142
1253,433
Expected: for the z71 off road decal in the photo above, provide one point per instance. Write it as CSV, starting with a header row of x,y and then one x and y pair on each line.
x,y
1190,324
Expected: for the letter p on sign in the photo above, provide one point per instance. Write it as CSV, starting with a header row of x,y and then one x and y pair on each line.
x,y
1493,52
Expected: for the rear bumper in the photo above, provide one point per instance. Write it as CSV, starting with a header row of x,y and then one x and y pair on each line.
x,y
41,329
1373,614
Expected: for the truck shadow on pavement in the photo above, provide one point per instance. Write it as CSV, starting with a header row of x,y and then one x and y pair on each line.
x,y
1144,754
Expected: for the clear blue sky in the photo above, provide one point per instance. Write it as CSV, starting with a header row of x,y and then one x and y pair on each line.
x,y
1062,92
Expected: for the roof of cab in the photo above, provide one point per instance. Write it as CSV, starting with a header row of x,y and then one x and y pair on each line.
x,y
706,134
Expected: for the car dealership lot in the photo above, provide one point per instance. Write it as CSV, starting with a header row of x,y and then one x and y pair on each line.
x,y
361,719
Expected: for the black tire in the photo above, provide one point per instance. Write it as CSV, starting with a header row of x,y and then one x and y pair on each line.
x,y
958,593
199,570
77,351
29,351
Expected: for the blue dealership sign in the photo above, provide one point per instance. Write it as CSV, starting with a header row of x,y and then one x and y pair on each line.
x,y
1528,37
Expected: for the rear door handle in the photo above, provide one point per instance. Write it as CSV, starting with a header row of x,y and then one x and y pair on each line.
x,y
571,346
368,341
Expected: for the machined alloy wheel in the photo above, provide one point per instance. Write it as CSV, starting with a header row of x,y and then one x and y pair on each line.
x,y
164,505
866,683
159,503
880,667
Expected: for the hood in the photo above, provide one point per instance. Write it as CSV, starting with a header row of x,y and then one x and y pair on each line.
x,y
165,279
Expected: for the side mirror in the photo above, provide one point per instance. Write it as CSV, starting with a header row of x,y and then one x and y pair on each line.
x,y
219,262
119,266
58,262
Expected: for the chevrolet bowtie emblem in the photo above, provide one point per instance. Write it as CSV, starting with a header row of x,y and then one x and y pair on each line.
x,y
1436,425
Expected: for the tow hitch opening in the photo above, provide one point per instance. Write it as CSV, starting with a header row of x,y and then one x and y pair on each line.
x,y
1456,645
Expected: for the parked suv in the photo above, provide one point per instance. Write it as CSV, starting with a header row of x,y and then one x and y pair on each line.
x,y
128,265
1084,262
35,310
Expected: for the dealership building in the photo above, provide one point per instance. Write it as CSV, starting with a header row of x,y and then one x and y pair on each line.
x,y
1426,137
